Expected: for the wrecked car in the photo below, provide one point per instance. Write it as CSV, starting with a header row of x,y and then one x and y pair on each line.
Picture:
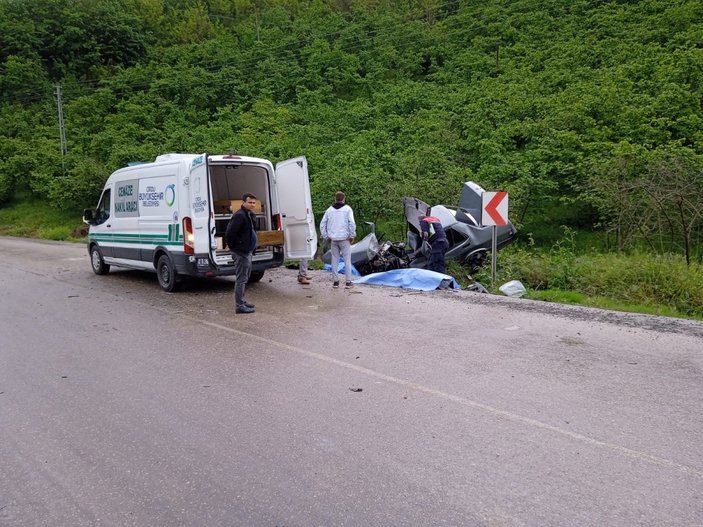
x,y
469,241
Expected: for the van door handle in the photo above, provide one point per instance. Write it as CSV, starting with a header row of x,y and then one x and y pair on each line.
x,y
108,225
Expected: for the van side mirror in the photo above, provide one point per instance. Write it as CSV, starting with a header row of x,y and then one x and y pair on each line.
x,y
88,216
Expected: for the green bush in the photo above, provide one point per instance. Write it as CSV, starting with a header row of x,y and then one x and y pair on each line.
x,y
7,187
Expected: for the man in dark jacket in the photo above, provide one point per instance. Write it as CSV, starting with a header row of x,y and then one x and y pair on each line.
x,y
241,240
433,232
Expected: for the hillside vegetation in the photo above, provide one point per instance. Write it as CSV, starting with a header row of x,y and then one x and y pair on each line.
x,y
588,112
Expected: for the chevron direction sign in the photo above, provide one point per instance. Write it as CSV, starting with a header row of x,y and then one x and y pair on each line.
x,y
495,208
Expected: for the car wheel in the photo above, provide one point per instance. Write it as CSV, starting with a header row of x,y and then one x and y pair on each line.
x,y
255,276
96,261
166,274
476,261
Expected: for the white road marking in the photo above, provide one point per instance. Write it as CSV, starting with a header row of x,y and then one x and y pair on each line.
x,y
636,454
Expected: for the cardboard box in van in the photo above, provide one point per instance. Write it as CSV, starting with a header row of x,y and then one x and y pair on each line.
x,y
269,238
230,206
223,206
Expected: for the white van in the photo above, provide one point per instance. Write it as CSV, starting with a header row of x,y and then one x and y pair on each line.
x,y
170,216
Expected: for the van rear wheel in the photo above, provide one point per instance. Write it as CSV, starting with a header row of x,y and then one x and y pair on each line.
x,y
255,276
96,261
166,274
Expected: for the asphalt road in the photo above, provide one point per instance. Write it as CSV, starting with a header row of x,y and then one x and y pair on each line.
x,y
124,405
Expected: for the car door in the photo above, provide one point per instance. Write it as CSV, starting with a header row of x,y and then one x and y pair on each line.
x,y
295,204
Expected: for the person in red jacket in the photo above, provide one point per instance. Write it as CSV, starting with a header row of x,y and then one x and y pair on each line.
x,y
433,232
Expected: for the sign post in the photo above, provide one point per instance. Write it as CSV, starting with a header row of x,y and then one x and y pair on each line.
x,y
494,212
494,253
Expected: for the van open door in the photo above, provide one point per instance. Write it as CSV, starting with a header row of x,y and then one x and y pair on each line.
x,y
295,203
199,206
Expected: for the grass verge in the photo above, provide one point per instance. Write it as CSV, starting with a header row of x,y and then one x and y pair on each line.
x,y
636,282
35,219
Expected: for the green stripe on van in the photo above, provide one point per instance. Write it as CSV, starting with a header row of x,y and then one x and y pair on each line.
x,y
108,235
174,231
134,239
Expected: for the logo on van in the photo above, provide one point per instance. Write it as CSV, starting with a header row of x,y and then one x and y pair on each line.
x,y
170,195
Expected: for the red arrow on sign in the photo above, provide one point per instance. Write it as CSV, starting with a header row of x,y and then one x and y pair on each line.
x,y
492,208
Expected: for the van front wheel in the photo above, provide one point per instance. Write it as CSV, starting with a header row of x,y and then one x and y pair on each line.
x,y
166,274
96,261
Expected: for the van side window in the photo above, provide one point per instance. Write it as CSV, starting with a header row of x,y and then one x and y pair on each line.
x,y
102,214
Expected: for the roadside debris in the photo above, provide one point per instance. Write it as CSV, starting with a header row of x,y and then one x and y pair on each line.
x,y
514,289
477,287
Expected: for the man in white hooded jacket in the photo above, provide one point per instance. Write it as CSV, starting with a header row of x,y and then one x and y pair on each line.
x,y
338,226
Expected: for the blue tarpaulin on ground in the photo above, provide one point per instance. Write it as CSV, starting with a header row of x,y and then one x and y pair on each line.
x,y
340,269
410,279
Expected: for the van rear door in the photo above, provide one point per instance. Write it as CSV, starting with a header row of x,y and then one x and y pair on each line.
x,y
200,206
295,203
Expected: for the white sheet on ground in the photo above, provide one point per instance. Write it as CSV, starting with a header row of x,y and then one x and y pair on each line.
x,y
409,279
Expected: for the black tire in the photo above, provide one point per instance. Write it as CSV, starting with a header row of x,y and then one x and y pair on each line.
x,y
166,274
96,261
255,276
476,261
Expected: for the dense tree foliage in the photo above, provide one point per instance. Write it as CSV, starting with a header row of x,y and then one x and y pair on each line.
x,y
587,111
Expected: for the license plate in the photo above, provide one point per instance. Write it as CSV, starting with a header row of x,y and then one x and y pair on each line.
x,y
202,262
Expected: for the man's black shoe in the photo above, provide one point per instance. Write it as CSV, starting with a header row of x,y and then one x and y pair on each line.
x,y
244,309
335,285
249,305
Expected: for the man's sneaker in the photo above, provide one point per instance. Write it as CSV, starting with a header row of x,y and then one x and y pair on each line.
x,y
303,280
335,285
249,305
244,309
347,285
